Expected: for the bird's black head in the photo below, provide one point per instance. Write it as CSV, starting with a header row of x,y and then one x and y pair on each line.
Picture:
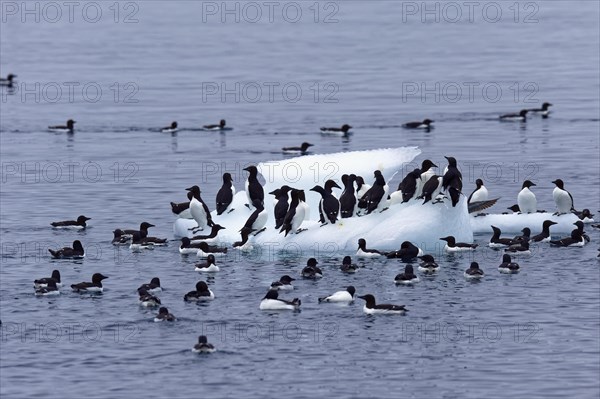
x,y
286,279
77,246
527,184
479,183
545,106
201,286
222,123
227,177
427,258
523,112
312,262
427,122
345,128
408,269
82,219
362,243
351,290
506,258
305,146
252,170
426,165
451,161
559,183
347,260
173,125
202,339
163,310
70,123
155,281
97,277
474,265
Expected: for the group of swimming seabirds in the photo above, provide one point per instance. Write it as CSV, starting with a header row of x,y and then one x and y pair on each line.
x,y
291,210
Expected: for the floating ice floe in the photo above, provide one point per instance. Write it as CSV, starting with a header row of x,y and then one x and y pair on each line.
x,y
412,221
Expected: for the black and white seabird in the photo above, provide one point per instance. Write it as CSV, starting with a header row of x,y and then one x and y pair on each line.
x,y
311,270
408,185
519,248
375,198
49,289
94,286
521,116
474,272
164,315
199,210
428,264
200,294
478,200
544,236
203,346
408,277
297,150
562,198
170,129
544,111
499,242
365,252
42,282
329,206
526,199
579,225
188,247
426,124
452,181
281,204
479,194
209,266
508,266
75,252
254,190
346,296
271,301
347,266
575,240
348,198
294,216
336,130
148,300
372,308
205,250
225,194
361,187
9,81
152,287
220,126
407,252
453,246
69,128
78,224
431,188
283,284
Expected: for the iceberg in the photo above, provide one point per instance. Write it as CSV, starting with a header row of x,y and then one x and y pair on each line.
x,y
420,224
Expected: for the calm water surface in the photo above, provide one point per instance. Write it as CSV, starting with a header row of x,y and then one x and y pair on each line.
x,y
535,334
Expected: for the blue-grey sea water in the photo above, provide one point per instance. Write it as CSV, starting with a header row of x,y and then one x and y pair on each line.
x,y
277,71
